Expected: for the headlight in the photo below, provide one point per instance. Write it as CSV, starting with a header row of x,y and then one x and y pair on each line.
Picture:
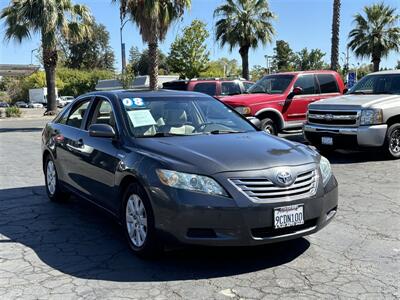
x,y
191,182
326,171
244,110
371,117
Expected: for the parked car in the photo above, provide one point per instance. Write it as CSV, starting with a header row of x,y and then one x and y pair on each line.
x,y
219,88
21,104
280,100
4,104
182,166
64,101
367,116
35,105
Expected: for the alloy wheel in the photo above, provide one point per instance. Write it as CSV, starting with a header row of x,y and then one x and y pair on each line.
x,y
51,177
136,220
394,142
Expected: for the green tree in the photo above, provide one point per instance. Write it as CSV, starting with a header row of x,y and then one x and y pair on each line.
x,y
257,72
398,65
376,34
139,62
335,35
51,19
244,24
222,67
283,57
310,60
93,52
153,17
189,55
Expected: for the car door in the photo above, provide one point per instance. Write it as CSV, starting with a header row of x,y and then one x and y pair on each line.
x,y
98,156
295,111
69,134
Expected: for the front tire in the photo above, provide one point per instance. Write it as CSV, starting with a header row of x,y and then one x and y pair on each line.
x,y
53,187
392,143
269,126
138,222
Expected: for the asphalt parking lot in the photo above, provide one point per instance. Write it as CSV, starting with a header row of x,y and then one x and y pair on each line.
x,y
72,250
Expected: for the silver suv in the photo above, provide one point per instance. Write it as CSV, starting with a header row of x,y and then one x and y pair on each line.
x,y
367,116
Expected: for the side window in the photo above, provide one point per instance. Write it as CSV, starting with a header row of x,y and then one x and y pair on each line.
x,y
230,88
327,83
103,114
208,88
307,83
77,114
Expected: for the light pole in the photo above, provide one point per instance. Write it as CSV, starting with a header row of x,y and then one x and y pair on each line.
x,y
267,58
33,50
123,57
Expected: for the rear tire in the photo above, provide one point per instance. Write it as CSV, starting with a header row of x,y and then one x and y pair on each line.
x,y
392,142
138,222
269,126
53,187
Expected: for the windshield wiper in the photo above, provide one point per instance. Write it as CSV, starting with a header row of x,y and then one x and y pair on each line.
x,y
162,134
225,131
357,93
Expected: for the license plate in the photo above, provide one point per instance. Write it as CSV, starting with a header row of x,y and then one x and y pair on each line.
x,y
327,140
287,216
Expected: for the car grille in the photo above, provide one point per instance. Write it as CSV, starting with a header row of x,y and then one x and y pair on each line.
x,y
304,186
343,118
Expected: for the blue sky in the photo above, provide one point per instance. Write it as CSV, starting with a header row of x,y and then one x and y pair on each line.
x,y
302,23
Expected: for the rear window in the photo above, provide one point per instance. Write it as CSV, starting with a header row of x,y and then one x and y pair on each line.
x,y
209,88
230,88
327,83
175,85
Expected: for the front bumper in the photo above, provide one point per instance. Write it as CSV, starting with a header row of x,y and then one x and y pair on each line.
x,y
194,218
347,137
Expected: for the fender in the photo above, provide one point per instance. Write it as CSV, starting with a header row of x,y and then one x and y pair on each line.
x,y
277,112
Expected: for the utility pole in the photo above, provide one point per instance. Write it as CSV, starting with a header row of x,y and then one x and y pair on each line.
x,y
123,56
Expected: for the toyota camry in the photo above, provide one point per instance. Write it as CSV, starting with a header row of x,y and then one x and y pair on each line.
x,y
184,167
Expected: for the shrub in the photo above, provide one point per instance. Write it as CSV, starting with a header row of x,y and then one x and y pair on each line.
x,y
13,111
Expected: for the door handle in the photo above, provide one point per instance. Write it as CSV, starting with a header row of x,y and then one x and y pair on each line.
x,y
78,146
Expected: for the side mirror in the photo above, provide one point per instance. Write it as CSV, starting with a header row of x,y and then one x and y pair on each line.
x,y
345,90
296,91
255,121
101,130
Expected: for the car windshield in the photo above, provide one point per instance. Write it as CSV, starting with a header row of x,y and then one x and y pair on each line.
x,y
378,84
181,116
271,84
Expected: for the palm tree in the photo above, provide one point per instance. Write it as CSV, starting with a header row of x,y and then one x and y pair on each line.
x,y
243,24
51,19
376,34
335,35
153,17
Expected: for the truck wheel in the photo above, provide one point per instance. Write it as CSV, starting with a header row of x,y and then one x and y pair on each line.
x,y
269,126
392,144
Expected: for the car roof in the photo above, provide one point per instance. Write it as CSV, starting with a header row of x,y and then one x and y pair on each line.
x,y
305,72
388,72
147,93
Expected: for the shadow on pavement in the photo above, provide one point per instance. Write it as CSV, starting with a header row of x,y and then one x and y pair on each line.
x,y
21,129
77,239
344,156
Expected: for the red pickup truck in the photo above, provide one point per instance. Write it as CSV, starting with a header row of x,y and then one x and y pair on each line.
x,y
281,100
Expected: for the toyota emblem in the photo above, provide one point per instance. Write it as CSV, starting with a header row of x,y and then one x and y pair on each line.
x,y
284,177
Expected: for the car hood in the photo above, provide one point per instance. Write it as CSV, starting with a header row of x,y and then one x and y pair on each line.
x,y
352,101
210,154
248,99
